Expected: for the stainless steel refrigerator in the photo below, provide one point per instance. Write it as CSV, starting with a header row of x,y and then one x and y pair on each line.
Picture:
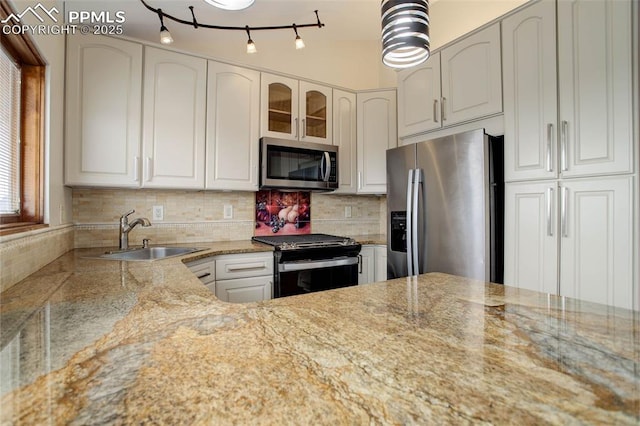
x,y
445,207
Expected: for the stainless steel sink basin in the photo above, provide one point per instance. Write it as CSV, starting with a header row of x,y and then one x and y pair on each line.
x,y
148,254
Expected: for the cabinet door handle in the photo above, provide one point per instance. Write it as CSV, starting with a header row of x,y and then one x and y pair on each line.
x,y
549,143
549,208
136,168
435,109
359,180
563,214
359,263
304,128
444,109
564,130
148,167
295,120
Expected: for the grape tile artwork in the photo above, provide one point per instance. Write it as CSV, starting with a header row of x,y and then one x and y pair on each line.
x,y
283,213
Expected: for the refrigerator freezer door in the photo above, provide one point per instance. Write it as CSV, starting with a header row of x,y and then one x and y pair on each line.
x,y
453,225
399,162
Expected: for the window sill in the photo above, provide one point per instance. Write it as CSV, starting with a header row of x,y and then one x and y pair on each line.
x,y
15,228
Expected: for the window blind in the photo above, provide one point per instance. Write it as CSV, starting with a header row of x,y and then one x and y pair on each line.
x,y
9,135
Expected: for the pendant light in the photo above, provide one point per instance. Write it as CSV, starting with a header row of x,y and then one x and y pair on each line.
x,y
405,32
230,4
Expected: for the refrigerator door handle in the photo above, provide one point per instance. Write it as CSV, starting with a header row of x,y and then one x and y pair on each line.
x,y
409,227
417,180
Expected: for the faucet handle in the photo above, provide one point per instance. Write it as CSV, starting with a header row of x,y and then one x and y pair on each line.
x,y
127,214
145,243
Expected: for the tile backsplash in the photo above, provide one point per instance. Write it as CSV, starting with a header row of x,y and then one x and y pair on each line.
x,y
198,216
283,213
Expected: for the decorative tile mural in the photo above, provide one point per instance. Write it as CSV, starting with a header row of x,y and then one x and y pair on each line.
x,y
283,213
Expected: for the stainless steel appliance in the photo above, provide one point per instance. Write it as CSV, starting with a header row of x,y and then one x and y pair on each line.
x,y
286,164
312,262
445,207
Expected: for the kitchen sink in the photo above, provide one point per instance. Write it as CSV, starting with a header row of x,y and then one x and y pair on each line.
x,y
148,254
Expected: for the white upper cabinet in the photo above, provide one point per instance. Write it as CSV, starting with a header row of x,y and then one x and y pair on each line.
x,y
315,113
103,101
174,109
596,90
377,131
462,82
344,137
297,110
419,98
471,77
233,117
530,92
596,240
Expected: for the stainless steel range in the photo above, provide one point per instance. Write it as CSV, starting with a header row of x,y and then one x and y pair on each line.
x,y
312,262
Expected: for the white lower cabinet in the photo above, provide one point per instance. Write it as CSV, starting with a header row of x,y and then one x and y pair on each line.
x,y
576,230
237,278
205,271
531,239
244,290
372,265
596,248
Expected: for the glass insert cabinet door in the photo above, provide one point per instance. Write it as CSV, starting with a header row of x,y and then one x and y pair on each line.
x,y
296,110
281,118
314,122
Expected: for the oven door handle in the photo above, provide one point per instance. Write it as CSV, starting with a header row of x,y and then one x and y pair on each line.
x,y
301,265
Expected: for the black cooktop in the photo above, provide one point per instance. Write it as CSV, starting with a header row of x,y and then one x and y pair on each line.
x,y
302,241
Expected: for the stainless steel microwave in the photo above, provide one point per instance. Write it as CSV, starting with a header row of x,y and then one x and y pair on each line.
x,y
287,164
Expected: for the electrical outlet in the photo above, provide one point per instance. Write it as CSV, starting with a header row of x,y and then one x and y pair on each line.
x,y
347,211
228,211
62,213
158,213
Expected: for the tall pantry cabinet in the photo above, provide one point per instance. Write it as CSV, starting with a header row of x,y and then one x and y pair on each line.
x,y
569,152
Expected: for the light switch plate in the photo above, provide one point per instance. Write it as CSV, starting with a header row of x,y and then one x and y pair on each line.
x,y
158,213
228,211
347,211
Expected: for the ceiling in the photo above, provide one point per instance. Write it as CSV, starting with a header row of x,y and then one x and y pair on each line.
x,y
348,20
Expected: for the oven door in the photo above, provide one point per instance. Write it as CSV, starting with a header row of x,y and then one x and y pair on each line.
x,y
307,276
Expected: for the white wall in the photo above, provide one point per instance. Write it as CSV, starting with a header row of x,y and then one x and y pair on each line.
x,y
450,19
52,48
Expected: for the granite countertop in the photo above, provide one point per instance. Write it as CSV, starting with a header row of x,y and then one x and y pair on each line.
x,y
124,342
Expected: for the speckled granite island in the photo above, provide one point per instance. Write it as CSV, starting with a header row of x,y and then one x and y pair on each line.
x,y
99,342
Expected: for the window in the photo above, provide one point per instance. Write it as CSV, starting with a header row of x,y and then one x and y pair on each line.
x,y
22,78
10,78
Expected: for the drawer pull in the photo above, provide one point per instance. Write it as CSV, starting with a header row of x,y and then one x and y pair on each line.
x,y
204,275
246,267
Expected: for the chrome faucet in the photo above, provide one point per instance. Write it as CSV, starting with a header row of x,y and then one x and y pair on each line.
x,y
126,227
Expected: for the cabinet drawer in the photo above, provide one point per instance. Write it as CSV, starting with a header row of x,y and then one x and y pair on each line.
x,y
246,265
204,270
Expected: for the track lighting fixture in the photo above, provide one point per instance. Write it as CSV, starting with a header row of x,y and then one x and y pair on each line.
x,y
251,46
165,36
299,42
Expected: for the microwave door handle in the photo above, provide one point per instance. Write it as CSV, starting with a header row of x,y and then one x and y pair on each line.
x,y
327,167
322,168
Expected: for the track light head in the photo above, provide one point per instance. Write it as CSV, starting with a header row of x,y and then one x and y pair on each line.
x,y
299,41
